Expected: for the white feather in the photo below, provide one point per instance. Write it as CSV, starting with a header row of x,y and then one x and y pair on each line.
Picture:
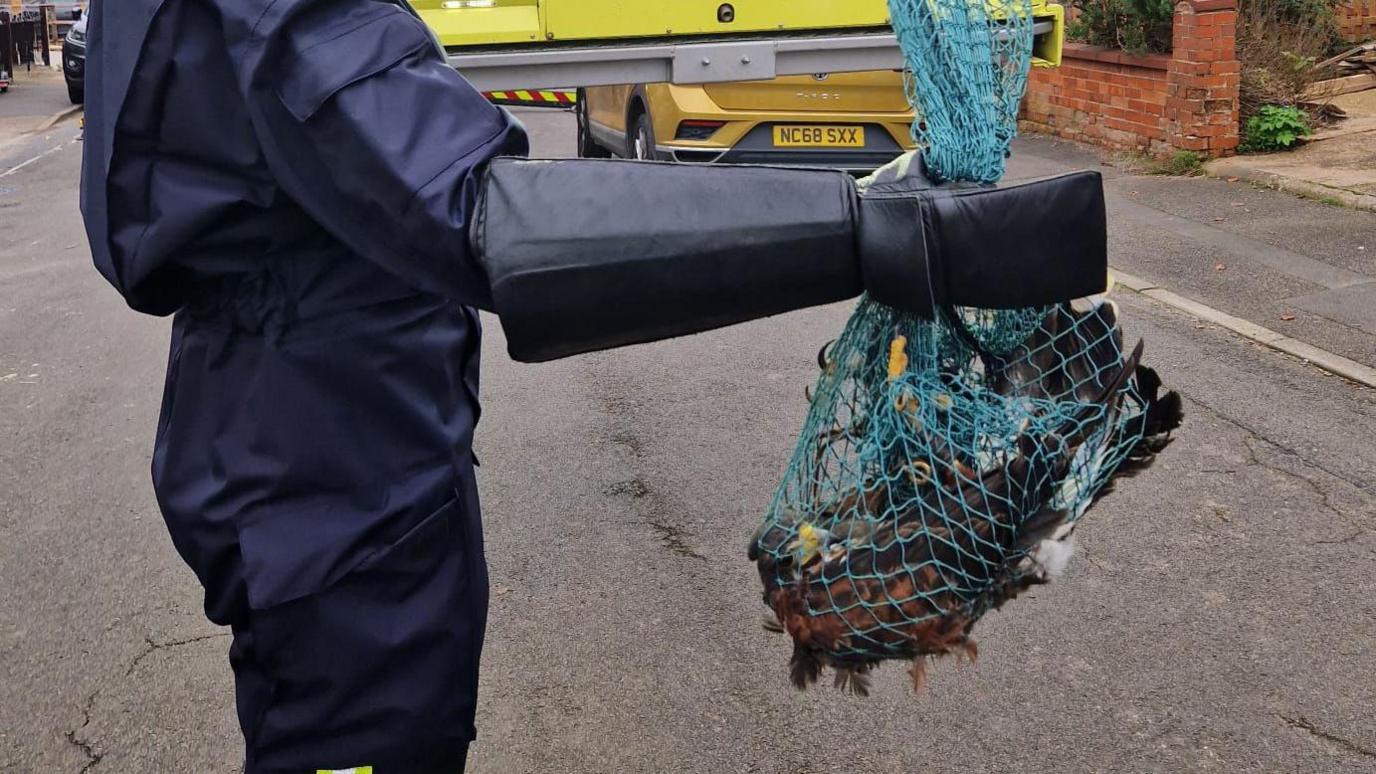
x,y
1053,556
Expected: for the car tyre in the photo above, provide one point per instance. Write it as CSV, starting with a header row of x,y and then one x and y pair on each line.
x,y
640,145
76,94
587,145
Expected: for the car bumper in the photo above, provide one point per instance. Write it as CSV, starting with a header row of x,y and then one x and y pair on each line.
x,y
74,64
747,137
757,147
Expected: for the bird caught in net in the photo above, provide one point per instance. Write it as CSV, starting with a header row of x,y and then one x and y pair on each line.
x,y
937,479
945,462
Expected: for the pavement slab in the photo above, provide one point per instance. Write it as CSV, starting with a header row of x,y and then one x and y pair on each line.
x,y
35,102
1354,305
1319,232
1338,163
1342,169
1246,251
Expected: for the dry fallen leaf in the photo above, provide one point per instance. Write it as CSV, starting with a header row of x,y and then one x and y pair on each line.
x,y
1220,267
1233,179
500,591
1219,220
1287,317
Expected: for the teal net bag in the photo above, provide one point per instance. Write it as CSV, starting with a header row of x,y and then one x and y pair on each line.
x,y
945,462
967,70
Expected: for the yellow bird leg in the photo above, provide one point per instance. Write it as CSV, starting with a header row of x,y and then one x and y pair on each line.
x,y
920,473
809,543
898,357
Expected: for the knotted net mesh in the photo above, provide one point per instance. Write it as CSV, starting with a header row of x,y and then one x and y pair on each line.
x,y
943,459
968,62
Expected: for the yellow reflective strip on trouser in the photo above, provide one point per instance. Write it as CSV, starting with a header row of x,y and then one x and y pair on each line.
x,y
354,770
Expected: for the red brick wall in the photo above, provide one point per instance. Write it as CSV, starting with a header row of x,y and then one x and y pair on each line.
x,y
1103,97
1155,104
1357,20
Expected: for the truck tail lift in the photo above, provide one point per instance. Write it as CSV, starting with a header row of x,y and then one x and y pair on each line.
x,y
503,45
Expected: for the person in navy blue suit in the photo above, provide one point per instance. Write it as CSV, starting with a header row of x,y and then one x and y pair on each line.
x,y
251,167
303,185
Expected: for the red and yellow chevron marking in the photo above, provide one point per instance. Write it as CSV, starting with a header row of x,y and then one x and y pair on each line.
x,y
548,98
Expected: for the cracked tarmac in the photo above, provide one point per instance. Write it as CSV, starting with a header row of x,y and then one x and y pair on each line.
x,y
73,736
156,646
1338,741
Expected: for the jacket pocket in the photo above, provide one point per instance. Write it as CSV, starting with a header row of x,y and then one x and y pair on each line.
x,y
388,652
420,549
294,554
319,64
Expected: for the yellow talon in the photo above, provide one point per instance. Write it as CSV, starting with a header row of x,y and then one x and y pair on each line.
x,y
809,543
898,357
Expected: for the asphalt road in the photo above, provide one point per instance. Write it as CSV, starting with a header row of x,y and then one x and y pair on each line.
x,y
1218,616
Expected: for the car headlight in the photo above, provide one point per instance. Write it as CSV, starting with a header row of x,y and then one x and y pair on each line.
x,y
76,36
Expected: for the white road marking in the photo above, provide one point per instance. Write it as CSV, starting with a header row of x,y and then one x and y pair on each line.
x,y
37,158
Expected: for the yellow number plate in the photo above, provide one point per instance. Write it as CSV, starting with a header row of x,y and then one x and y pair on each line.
x,y
819,136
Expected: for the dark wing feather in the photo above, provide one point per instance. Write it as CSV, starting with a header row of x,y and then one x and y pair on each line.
x,y
1090,345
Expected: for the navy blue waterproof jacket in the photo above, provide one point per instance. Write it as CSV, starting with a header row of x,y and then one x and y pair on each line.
x,y
292,180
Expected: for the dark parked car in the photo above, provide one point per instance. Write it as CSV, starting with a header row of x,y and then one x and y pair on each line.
x,y
74,62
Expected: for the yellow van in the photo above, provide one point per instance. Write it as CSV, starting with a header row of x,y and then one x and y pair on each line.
x,y
852,121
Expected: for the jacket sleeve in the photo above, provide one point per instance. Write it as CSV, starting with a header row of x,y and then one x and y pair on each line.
x,y
367,127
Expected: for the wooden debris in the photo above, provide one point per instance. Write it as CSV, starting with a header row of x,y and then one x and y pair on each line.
x,y
1338,86
1352,61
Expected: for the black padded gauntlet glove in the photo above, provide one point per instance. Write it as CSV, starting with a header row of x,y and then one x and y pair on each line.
x,y
588,255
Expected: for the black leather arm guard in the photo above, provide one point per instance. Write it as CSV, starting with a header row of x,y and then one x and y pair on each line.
x,y
590,255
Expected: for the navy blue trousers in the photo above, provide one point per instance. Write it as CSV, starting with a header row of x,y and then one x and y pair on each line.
x,y
318,477
377,671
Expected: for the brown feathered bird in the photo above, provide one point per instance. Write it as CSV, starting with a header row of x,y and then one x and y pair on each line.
x,y
912,584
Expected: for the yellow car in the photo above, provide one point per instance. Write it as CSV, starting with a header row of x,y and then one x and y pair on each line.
x,y
856,121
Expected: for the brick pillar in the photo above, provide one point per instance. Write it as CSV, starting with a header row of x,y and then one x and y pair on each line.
x,y
1204,78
